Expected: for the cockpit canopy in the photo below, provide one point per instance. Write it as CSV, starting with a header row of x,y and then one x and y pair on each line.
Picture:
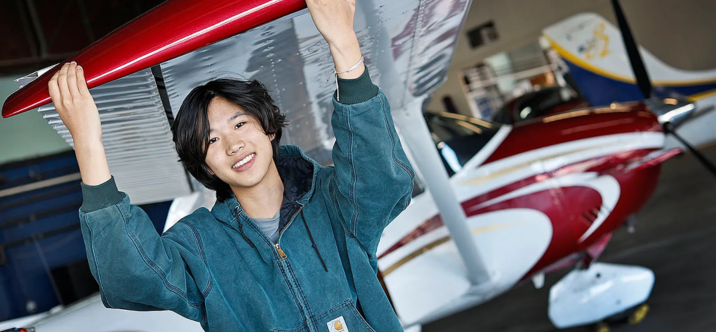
x,y
538,103
459,137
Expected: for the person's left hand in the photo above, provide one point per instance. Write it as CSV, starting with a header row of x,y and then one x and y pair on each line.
x,y
334,20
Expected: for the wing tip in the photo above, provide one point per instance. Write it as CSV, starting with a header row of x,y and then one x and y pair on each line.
x,y
13,107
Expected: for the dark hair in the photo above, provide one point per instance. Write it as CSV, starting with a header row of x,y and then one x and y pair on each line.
x,y
191,125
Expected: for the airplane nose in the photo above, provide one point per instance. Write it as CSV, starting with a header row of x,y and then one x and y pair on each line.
x,y
671,110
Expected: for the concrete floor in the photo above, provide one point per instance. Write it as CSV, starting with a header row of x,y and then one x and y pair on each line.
x,y
675,237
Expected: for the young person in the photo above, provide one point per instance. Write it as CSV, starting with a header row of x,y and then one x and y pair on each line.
x,y
290,245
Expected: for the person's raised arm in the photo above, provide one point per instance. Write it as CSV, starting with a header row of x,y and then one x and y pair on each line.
x,y
371,181
135,268
74,104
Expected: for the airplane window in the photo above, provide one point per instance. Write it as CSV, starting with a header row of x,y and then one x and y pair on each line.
x,y
504,113
540,102
449,156
535,104
458,138
567,94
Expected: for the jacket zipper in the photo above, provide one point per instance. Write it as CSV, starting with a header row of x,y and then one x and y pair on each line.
x,y
280,251
293,283
283,263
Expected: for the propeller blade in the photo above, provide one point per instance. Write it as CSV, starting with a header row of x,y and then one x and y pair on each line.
x,y
669,129
637,64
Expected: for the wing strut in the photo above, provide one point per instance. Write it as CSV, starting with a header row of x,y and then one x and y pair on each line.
x,y
417,136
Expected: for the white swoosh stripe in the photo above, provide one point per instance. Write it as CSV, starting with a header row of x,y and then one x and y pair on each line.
x,y
607,187
583,150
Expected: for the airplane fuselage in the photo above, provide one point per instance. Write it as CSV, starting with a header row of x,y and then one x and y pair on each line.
x,y
545,192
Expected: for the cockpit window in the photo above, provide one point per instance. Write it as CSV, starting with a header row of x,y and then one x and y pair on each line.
x,y
535,104
459,137
542,101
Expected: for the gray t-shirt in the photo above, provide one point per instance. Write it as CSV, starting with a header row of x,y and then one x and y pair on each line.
x,y
269,225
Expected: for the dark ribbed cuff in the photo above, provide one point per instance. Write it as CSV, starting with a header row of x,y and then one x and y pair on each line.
x,y
100,196
356,90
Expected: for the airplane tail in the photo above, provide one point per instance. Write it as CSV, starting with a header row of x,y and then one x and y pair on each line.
x,y
594,52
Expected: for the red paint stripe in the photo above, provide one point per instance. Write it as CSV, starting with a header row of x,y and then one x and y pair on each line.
x,y
428,226
533,135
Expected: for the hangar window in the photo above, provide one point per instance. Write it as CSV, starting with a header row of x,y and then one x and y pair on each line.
x,y
483,34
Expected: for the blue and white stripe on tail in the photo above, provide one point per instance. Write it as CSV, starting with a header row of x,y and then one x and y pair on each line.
x,y
594,51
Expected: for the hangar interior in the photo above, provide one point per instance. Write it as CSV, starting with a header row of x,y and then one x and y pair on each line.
x,y
500,54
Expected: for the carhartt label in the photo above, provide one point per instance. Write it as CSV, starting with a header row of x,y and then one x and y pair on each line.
x,y
337,325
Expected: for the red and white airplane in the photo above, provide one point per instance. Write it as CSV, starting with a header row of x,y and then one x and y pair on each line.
x,y
494,205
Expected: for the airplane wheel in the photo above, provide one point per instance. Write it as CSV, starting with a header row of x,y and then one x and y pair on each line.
x,y
602,327
639,314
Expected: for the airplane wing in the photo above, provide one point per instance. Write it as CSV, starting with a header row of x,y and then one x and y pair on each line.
x,y
148,66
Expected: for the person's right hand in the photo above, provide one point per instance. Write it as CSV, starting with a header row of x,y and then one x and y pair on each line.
x,y
74,104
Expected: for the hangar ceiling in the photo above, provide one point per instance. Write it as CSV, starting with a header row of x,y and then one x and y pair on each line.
x,y
39,33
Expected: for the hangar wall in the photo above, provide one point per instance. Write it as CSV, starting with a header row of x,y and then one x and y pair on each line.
x,y
679,32
25,135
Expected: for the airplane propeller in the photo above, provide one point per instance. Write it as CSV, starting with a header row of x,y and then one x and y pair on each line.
x,y
644,83
637,64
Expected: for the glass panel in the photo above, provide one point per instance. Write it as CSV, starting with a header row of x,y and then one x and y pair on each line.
x,y
459,137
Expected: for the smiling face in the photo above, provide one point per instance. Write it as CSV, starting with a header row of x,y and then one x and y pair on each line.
x,y
239,152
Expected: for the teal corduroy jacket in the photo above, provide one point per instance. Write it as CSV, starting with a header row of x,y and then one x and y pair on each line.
x,y
218,268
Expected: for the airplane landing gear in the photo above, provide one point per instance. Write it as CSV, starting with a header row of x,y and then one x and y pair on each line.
x,y
639,314
602,327
603,293
632,316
